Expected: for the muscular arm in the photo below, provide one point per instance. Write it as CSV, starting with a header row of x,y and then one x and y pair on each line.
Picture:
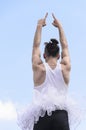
x,y
36,60
36,45
65,58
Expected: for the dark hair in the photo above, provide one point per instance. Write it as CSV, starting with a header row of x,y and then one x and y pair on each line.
x,y
52,48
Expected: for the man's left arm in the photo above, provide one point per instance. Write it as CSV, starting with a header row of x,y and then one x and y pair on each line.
x,y
36,60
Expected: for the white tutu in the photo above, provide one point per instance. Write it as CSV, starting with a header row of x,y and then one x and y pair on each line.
x,y
49,102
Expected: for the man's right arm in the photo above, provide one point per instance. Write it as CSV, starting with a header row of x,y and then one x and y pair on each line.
x,y
65,58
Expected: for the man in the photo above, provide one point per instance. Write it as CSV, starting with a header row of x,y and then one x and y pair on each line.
x,y
51,108
45,78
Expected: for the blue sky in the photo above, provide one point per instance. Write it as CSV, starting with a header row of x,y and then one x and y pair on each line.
x,y
18,21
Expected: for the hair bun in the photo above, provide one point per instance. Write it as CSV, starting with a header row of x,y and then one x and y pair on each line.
x,y
52,48
54,41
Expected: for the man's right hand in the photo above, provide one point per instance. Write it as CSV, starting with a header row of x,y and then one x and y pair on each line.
x,y
42,22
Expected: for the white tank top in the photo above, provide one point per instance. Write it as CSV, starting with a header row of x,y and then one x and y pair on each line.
x,y
54,78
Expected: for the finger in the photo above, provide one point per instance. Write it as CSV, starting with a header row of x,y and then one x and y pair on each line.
x,y
53,23
46,16
53,15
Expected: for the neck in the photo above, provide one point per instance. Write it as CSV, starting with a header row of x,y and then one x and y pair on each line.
x,y
52,61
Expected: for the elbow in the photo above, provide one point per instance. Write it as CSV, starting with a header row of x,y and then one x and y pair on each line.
x,y
69,67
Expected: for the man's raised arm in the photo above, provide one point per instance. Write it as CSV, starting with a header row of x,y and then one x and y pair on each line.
x,y
37,40
65,52
65,58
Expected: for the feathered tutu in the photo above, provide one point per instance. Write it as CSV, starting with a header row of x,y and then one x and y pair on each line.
x,y
50,101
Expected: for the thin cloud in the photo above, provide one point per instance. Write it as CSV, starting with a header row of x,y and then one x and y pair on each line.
x,y
7,111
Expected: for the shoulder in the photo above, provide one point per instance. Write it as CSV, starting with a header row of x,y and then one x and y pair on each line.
x,y
66,63
65,72
38,67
